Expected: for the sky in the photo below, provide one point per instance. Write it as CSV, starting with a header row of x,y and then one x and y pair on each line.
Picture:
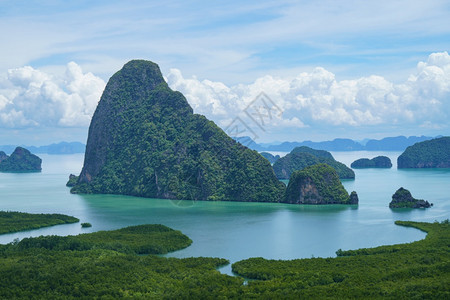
x,y
281,70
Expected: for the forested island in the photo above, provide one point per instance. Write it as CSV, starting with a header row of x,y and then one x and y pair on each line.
x,y
111,264
317,184
271,158
12,221
376,162
21,160
402,198
302,157
429,154
145,140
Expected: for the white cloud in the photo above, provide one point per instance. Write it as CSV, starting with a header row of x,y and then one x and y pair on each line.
x,y
313,100
318,99
32,98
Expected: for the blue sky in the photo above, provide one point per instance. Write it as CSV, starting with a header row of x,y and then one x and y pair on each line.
x,y
351,69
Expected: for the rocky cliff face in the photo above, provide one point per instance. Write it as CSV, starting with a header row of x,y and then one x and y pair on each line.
x,y
317,184
429,154
402,198
21,160
144,140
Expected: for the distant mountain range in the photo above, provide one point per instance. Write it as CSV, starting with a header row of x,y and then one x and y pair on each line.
x,y
399,143
59,148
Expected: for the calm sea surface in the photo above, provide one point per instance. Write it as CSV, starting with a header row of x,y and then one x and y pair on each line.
x,y
234,230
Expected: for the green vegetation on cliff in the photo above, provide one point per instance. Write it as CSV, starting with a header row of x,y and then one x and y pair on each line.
x,y
21,160
429,154
144,140
11,221
73,179
376,162
302,157
317,184
271,158
402,198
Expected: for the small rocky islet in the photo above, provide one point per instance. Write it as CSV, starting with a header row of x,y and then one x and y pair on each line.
x,y
376,162
402,198
21,160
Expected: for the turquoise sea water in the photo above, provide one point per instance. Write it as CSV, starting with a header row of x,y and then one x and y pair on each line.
x,y
234,230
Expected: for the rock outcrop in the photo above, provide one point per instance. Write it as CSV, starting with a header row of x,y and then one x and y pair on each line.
x,y
376,162
21,160
429,154
73,179
402,198
317,184
145,140
302,157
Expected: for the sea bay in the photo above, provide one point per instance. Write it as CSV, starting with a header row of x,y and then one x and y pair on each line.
x,y
236,230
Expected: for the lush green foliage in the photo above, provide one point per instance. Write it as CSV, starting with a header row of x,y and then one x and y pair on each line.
x,y
402,198
429,154
410,271
21,160
73,179
144,140
271,158
142,239
302,157
95,274
315,152
18,221
376,162
34,269
86,224
316,184
105,265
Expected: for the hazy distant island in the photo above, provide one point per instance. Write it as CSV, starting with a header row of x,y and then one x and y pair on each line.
x,y
376,162
302,157
402,198
145,140
271,158
398,143
55,148
318,184
3,156
429,154
21,160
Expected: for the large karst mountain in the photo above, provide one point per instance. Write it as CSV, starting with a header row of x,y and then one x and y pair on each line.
x,y
145,140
